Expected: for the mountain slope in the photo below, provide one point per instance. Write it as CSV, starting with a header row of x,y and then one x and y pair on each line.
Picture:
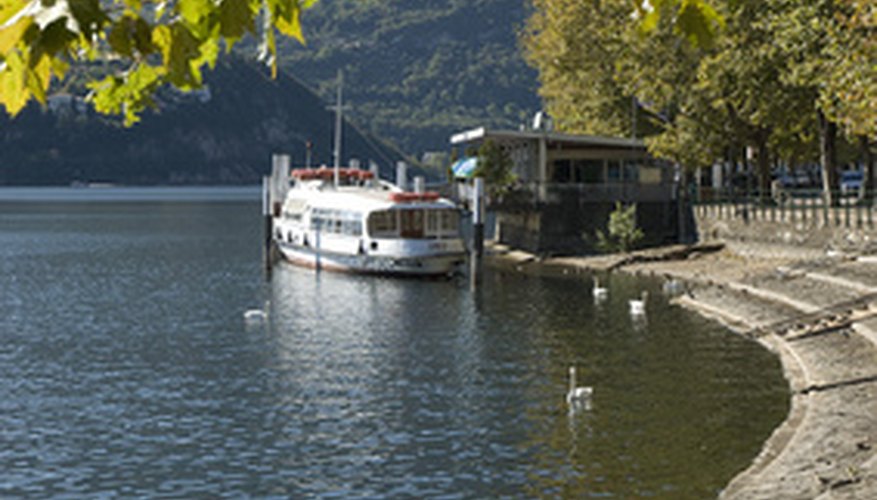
x,y
417,71
223,135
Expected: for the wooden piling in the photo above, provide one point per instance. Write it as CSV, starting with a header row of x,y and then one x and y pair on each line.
x,y
477,233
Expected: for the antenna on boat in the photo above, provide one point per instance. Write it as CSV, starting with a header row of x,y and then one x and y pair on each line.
x,y
339,123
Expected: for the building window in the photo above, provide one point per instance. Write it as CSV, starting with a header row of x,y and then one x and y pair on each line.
x,y
588,171
561,172
614,171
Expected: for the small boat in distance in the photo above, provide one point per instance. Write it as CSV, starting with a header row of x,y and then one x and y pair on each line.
x,y
346,219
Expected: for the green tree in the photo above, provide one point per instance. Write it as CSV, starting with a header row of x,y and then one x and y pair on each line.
x,y
777,76
575,46
696,20
495,167
622,232
145,43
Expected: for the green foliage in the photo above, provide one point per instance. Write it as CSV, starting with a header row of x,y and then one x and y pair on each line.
x,y
623,233
696,20
157,43
419,71
771,67
849,94
495,167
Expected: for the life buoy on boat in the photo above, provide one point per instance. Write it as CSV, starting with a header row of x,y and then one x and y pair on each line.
x,y
408,197
309,174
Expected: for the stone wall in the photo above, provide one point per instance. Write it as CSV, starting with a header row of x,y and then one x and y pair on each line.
x,y
839,229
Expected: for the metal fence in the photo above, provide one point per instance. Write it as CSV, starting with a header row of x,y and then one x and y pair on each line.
x,y
564,193
808,207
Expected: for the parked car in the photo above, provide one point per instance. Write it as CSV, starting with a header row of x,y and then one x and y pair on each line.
x,y
795,179
851,182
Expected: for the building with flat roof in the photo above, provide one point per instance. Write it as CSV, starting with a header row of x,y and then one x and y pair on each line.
x,y
568,184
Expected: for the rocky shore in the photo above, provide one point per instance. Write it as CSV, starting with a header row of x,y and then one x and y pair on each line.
x,y
818,313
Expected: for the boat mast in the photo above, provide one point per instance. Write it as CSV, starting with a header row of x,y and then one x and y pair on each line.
x,y
338,125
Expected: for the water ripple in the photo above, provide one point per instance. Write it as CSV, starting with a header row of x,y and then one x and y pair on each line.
x,y
126,370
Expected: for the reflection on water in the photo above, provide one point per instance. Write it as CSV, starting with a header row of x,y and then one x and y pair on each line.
x,y
126,368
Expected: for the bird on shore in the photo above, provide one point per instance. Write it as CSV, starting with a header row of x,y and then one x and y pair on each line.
x,y
638,306
600,292
577,397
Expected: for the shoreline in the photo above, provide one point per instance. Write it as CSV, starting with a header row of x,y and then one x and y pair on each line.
x,y
816,313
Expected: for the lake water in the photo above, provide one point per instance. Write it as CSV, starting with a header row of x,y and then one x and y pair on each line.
x,y
126,369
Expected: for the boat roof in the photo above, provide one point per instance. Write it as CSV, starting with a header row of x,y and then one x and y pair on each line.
x,y
322,194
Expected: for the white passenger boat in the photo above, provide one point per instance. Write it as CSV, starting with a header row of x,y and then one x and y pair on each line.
x,y
347,219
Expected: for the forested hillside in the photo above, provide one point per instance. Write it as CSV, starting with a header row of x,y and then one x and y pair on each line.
x,y
417,71
224,134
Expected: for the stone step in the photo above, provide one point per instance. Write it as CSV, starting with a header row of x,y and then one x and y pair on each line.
x,y
861,275
741,310
836,358
804,292
831,452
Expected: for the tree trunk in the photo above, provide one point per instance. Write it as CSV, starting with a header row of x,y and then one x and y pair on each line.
x,y
868,161
763,164
827,156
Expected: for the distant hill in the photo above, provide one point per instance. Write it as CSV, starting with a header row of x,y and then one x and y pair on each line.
x,y
416,71
222,135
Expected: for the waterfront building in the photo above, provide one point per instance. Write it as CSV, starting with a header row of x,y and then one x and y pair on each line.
x,y
567,185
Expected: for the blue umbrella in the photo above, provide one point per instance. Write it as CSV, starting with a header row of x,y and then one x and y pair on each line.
x,y
465,167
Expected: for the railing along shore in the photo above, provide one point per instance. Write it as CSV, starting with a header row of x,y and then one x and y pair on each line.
x,y
806,207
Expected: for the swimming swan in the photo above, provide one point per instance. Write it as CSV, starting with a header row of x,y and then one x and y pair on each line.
x,y
638,306
254,316
577,396
600,292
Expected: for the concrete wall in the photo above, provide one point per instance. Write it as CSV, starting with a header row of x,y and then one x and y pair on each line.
x,y
838,229
569,227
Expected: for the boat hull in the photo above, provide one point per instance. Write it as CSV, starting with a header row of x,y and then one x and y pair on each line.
x,y
443,264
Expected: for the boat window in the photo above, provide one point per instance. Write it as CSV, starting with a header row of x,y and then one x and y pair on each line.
x,y
383,224
336,221
432,221
294,207
352,227
450,222
411,223
414,223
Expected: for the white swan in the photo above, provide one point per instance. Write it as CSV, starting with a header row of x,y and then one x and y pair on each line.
x,y
253,316
638,306
577,396
600,292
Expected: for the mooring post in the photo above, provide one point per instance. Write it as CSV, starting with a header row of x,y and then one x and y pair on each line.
x,y
402,175
267,225
477,232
